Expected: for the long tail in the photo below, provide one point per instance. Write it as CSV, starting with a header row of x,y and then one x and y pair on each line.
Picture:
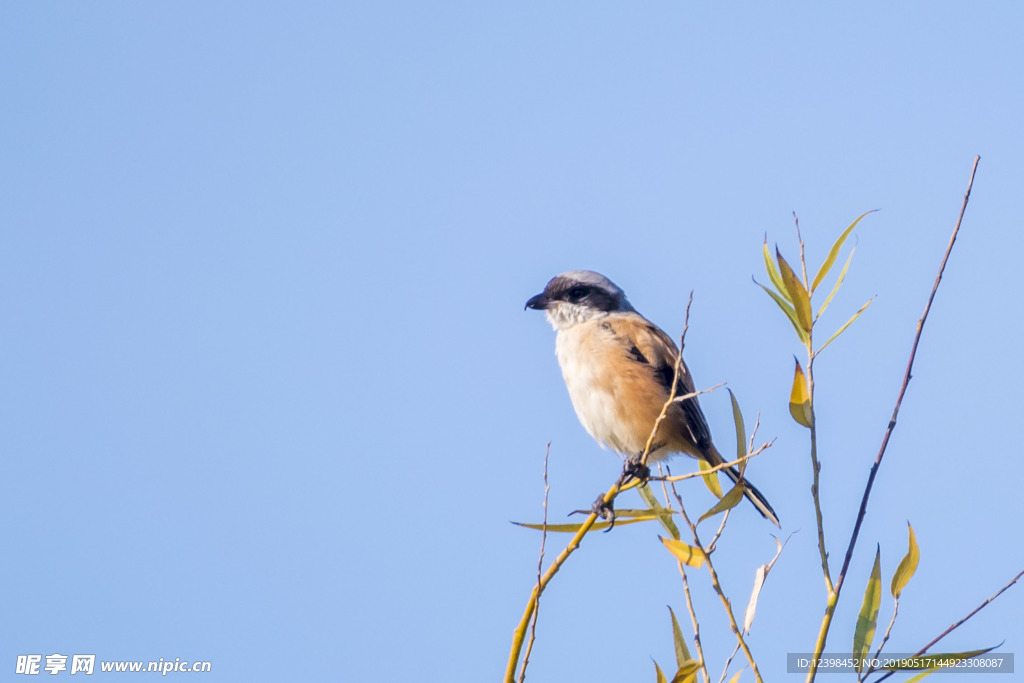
x,y
749,490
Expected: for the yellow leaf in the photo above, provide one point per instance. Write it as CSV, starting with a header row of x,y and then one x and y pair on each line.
x,y
682,652
907,567
710,479
773,272
868,617
934,662
659,675
687,672
800,399
848,323
736,677
573,528
831,258
797,293
787,309
839,282
741,432
728,502
687,554
664,514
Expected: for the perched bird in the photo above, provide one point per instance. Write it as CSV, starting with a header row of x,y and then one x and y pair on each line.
x,y
619,368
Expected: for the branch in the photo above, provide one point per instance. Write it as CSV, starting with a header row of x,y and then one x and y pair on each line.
x,y
540,569
834,597
959,623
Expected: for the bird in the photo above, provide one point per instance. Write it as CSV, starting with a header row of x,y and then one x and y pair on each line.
x,y
619,368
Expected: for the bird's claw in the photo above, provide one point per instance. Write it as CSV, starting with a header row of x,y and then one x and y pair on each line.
x,y
605,511
635,469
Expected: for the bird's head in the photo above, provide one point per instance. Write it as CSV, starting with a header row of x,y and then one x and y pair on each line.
x,y
578,295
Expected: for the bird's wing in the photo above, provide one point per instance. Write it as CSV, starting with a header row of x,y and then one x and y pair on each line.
x,y
647,343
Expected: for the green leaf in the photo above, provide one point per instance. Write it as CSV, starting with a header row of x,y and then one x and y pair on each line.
x,y
741,432
831,258
573,528
839,281
797,293
659,675
800,399
848,323
682,652
687,672
908,565
868,617
728,502
664,515
687,554
787,309
710,479
931,662
773,272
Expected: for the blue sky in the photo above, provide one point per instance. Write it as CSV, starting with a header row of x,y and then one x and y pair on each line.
x,y
269,397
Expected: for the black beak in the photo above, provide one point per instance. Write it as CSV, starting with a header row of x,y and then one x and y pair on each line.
x,y
538,303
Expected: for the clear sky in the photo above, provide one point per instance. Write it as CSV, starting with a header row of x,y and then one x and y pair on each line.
x,y
268,394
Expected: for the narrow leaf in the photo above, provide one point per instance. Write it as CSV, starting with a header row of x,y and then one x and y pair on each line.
x,y
839,281
573,528
787,309
748,616
687,554
664,515
907,567
741,432
773,272
682,652
797,293
868,617
934,662
728,502
831,258
659,675
687,672
800,398
710,479
848,323
736,677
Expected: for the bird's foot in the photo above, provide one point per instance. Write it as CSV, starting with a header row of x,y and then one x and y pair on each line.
x,y
605,511
634,468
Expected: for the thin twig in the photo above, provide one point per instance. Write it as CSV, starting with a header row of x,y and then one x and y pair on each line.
x,y
885,638
694,394
960,623
834,598
540,569
728,663
803,261
696,624
519,634
719,591
700,473
672,390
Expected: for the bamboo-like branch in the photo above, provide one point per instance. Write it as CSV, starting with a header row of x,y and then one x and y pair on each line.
x,y
519,635
834,596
